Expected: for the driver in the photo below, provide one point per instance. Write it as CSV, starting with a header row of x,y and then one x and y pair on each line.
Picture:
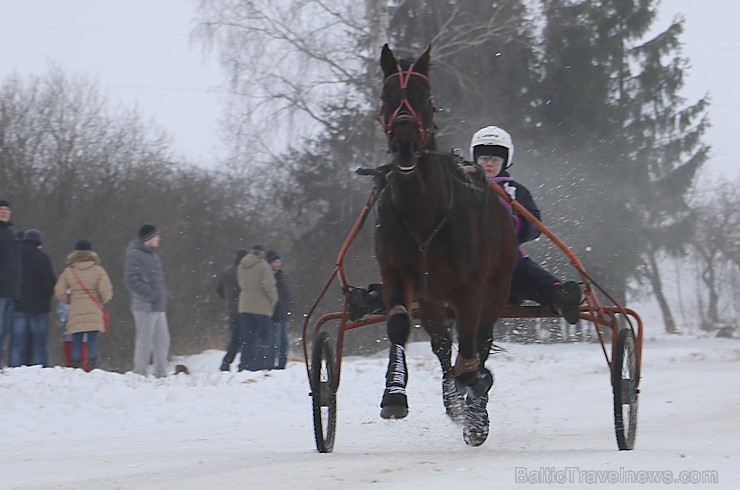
x,y
492,149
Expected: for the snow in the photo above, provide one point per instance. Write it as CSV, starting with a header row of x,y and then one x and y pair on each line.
x,y
551,411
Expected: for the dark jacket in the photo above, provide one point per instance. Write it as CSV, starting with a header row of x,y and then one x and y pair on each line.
x,y
144,278
37,280
525,231
282,308
228,288
10,263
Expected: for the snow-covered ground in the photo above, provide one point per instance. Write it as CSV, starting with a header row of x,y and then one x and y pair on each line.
x,y
551,411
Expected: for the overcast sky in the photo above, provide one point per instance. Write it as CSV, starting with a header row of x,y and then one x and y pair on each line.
x,y
140,51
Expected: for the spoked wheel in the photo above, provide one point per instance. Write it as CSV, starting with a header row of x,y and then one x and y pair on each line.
x,y
324,380
624,385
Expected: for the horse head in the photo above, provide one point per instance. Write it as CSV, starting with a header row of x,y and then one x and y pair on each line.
x,y
407,112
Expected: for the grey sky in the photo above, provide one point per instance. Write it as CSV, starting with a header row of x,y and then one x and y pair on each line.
x,y
139,51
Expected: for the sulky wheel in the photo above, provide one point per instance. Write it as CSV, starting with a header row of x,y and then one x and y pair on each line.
x,y
324,378
624,385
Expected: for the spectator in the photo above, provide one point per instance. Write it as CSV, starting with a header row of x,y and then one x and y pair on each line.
x,y
10,273
228,289
29,340
144,278
257,298
62,317
85,286
280,344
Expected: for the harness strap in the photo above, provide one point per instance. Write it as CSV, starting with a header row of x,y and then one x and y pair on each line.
x,y
425,243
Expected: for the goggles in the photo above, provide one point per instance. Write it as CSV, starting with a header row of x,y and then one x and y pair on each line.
x,y
490,159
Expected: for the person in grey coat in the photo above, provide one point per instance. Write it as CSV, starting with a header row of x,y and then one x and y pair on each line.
x,y
144,278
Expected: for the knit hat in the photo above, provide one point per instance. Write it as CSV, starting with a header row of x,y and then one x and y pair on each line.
x,y
4,203
83,244
272,256
147,232
257,248
240,253
34,236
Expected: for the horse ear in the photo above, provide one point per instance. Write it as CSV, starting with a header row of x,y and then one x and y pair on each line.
x,y
387,61
422,63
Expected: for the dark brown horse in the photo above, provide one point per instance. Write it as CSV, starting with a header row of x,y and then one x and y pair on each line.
x,y
441,240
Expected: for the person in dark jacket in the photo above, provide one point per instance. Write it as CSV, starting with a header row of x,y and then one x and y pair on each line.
x,y
492,149
228,289
279,352
144,278
29,338
10,273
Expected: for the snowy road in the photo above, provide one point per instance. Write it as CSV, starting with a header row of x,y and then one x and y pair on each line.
x,y
550,408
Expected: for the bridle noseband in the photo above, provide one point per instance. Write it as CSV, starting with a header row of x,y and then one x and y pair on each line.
x,y
405,110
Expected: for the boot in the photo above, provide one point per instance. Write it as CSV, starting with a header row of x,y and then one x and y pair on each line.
x,y
567,301
358,303
75,364
282,361
375,295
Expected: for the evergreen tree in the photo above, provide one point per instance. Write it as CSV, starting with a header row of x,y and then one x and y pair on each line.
x,y
621,142
483,58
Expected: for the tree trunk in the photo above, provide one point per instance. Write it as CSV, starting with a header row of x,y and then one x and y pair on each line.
x,y
657,284
709,279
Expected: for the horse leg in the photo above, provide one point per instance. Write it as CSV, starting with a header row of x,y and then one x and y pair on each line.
x,y
434,322
452,398
476,423
472,374
394,404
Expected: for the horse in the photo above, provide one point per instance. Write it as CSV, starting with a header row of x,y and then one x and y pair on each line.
x,y
441,241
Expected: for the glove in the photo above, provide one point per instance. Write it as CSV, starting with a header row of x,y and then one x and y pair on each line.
x,y
457,153
511,191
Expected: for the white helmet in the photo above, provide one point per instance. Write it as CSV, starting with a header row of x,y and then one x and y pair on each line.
x,y
492,136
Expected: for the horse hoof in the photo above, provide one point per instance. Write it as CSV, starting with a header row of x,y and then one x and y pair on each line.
x,y
475,426
394,412
394,405
475,438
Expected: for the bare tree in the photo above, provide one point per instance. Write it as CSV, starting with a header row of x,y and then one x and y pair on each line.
x,y
286,62
714,249
75,168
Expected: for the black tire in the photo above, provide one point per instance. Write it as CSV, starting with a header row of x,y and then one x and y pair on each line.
x,y
624,385
324,383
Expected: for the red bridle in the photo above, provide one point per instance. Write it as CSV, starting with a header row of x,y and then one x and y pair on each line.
x,y
404,109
